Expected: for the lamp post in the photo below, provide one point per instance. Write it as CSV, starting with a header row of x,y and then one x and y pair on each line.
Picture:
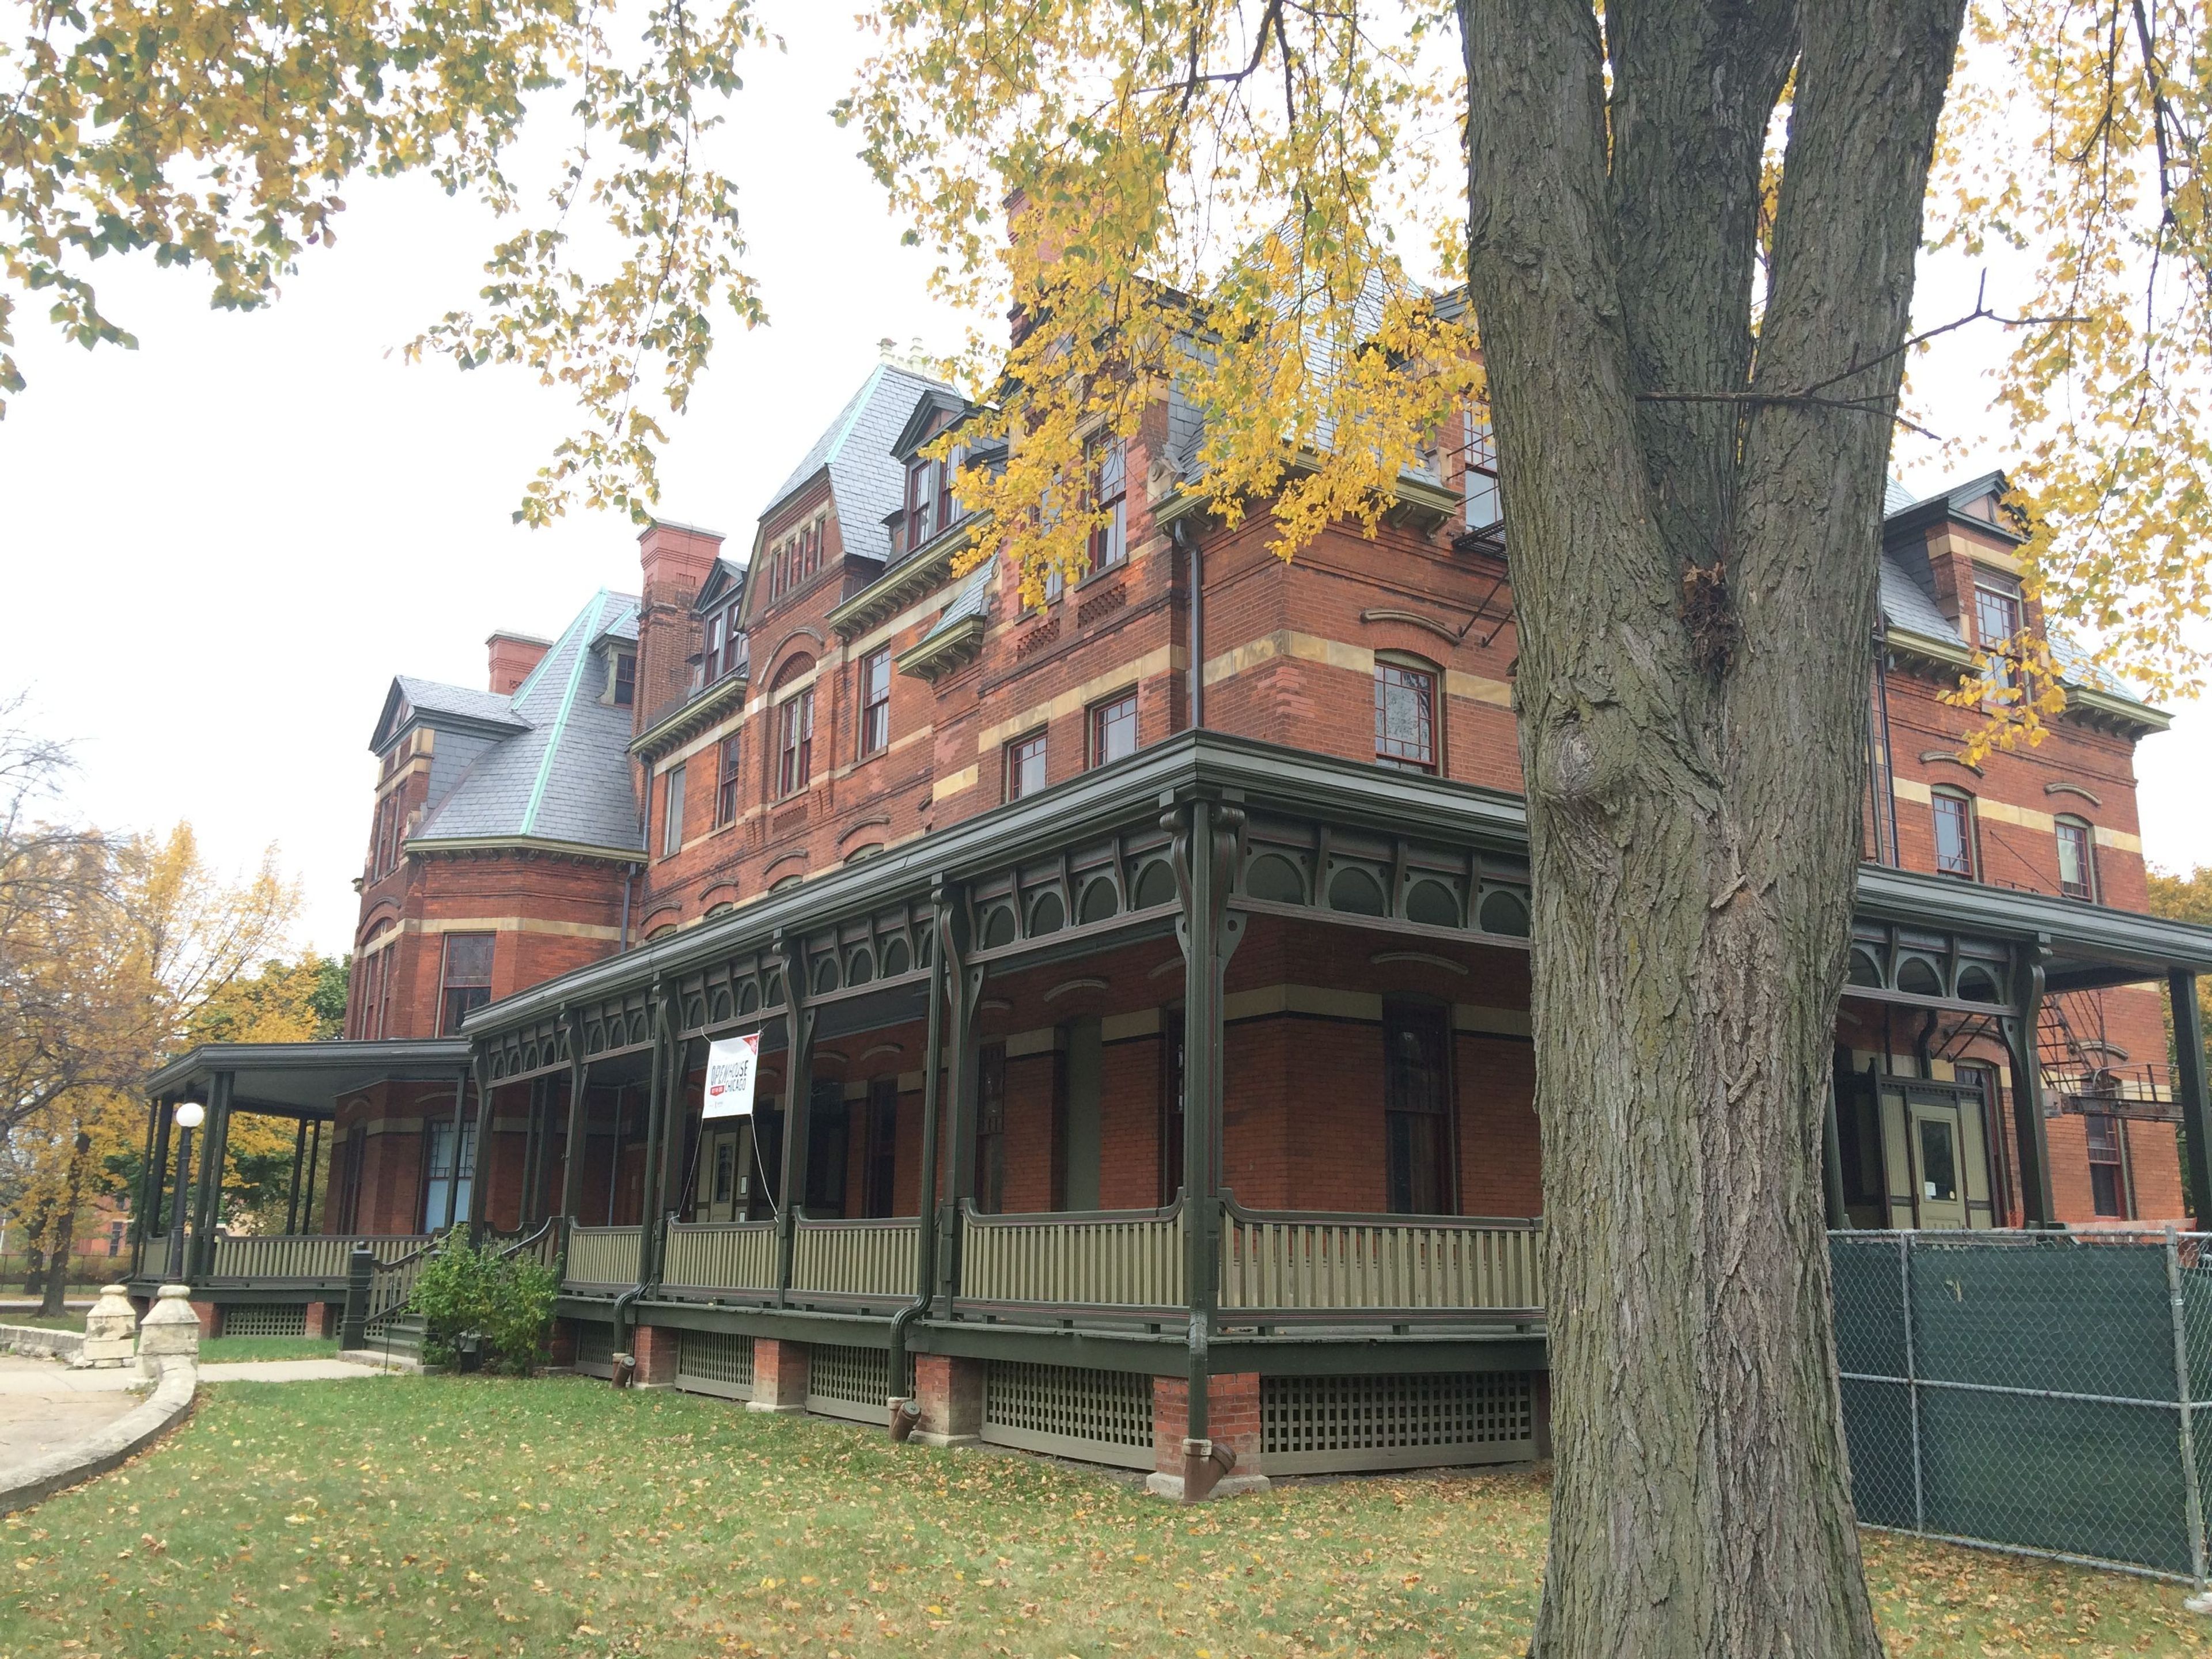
x,y
188,1119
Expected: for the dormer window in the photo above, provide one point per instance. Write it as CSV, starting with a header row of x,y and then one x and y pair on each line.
x,y
1997,621
714,649
922,489
625,682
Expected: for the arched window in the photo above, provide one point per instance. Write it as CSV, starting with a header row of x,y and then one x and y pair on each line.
x,y
2077,858
1954,814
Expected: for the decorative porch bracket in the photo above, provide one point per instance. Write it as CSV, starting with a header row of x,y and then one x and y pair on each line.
x,y
1204,851
798,1106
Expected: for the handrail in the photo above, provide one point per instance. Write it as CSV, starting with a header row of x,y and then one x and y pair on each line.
x,y
392,1284
719,1255
1372,1218
877,1255
1094,1258
542,1244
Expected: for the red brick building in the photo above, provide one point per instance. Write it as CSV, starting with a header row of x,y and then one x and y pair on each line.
x,y
1151,960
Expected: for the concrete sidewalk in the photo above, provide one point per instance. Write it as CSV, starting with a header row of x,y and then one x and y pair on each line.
x,y
29,1379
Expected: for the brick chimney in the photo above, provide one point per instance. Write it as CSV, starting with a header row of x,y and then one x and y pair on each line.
x,y
512,657
676,560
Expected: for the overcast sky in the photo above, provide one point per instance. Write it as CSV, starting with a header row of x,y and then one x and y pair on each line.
x,y
217,550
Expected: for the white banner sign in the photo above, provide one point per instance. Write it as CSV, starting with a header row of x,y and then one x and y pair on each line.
x,y
732,1066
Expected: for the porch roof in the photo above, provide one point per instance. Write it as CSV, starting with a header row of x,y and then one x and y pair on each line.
x,y
2089,943
301,1079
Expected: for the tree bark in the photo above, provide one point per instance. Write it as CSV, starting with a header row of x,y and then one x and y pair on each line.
x,y
1695,591
57,1290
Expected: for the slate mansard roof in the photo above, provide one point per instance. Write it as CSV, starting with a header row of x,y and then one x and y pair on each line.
x,y
868,481
550,762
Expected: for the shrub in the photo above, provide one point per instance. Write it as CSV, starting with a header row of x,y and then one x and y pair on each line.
x,y
506,1302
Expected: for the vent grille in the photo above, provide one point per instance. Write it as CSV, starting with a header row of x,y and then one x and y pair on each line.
x,y
1101,1417
1313,1424
266,1319
850,1382
715,1362
595,1346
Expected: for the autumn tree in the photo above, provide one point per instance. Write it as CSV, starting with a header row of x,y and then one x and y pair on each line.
x,y
1679,253
1690,234
114,950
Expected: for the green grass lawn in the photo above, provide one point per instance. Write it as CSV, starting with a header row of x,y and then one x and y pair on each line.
x,y
45,1321
466,1517
224,1350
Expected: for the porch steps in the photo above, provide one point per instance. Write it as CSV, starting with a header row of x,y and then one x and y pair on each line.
x,y
401,1336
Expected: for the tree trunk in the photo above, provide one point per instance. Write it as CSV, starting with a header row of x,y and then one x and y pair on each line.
x,y
56,1292
34,1252
1694,591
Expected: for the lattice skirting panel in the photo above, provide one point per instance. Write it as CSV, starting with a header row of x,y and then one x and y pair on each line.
x,y
1320,1425
1101,1417
595,1347
852,1383
715,1362
264,1319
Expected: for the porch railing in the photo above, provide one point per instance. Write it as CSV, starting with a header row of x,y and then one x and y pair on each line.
x,y
1287,1262
717,1255
308,1256
1086,1258
391,1286
873,1258
602,1255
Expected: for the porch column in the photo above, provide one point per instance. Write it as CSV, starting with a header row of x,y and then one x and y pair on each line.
x,y
207,1207
314,1162
1831,1160
572,1153
2189,1091
454,1176
933,1058
798,1108
963,989
656,1131
2035,1207
299,1158
480,1171
1206,844
675,1142
154,1181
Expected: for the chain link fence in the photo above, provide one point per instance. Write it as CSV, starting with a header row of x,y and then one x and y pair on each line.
x,y
2045,1392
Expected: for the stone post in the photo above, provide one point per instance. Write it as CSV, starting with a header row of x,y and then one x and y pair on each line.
x,y
109,1328
170,1332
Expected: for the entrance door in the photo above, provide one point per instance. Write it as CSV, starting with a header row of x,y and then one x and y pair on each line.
x,y
1939,1165
722,1172
1935,1154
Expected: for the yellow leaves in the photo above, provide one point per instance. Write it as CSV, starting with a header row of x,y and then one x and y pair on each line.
x,y
1189,260
2110,243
